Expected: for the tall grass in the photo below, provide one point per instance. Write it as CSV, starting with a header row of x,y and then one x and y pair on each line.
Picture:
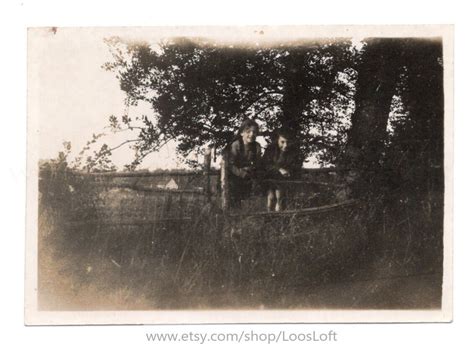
x,y
196,256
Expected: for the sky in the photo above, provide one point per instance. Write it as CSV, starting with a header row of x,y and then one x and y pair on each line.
x,y
73,96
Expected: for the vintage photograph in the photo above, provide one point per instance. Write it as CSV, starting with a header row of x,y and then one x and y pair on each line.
x,y
239,174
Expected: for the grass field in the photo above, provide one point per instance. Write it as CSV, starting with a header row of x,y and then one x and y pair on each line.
x,y
134,250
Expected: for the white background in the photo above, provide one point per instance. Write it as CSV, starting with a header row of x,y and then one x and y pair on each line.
x,y
16,16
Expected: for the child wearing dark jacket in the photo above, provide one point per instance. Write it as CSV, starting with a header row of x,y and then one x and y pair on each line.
x,y
282,162
244,160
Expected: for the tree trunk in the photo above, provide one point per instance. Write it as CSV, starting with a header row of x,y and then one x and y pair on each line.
x,y
378,74
296,93
422,140
425,102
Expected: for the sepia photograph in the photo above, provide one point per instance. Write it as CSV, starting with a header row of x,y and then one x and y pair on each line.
x,y
239,174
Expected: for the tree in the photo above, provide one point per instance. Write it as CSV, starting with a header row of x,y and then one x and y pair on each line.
x,y
410,72
200,91
378,74
416,145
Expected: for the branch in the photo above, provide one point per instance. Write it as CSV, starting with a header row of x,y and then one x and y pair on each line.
x,y
123,143
266,107
209,129
128,128
151,150
250,104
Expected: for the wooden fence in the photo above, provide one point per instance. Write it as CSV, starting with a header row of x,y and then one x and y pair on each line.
x,y
220,193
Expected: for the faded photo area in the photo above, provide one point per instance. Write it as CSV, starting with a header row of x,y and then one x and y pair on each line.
x,y
249,171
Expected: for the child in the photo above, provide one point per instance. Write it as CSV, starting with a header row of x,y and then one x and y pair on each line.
x,y
244,159
282,161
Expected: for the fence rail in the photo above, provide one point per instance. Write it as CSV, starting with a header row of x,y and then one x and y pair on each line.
x,y
137,187
304,211
144,174
186,173
303,182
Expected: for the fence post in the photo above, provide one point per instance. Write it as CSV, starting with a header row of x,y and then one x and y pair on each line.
x,y
225,198
207,170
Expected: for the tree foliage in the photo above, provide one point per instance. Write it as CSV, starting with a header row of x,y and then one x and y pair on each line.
x,y
200,91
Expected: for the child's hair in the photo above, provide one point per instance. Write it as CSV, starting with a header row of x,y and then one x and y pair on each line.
x,y
285,133
248,123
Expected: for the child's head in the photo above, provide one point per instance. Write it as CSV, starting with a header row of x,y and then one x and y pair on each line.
x,y
248,131
283,139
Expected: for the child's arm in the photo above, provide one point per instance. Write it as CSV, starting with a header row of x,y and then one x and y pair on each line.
x,y
233,160
295,164
291,164
272,167
258,150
